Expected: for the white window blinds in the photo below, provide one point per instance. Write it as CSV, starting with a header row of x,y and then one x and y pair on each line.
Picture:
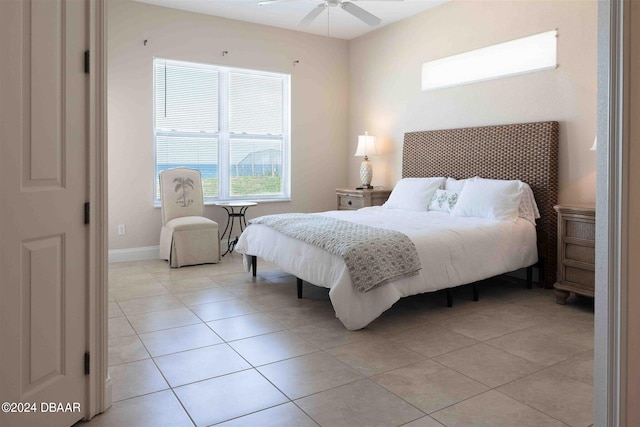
x,y
186,98
255,104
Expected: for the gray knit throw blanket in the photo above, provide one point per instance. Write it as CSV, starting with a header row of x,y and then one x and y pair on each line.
x,y
374,256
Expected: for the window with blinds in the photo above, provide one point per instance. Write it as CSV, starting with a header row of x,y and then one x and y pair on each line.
x,y
231,124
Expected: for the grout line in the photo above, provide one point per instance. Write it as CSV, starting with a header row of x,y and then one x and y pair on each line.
x,y
535,409
319,349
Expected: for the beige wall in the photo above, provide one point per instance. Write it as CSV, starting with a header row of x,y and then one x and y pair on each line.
x,y
386,98
319,104
340,89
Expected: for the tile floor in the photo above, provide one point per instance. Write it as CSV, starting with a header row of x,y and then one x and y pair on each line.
x,y
207,345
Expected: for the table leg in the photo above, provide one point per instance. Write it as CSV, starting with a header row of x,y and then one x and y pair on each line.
x,y
228,222
228,229
231,243
243,218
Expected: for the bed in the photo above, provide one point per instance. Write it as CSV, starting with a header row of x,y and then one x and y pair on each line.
x,y
526,152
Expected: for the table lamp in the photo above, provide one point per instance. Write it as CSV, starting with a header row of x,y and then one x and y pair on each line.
x,y
366,145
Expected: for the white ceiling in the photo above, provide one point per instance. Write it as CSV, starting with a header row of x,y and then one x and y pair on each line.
x,y
287,14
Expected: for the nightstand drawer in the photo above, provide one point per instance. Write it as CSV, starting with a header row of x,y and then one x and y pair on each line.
x,y
579,229
351,199
579,276
581,253
350,202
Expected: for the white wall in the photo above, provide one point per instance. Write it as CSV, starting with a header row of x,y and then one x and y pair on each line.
x,y
319,105
385,87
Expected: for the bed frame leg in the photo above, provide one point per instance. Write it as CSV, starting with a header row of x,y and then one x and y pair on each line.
x,y
476,291
529,277
299,283
254,265
449,298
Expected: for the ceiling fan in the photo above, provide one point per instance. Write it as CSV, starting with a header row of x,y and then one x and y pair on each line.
x,y
346,5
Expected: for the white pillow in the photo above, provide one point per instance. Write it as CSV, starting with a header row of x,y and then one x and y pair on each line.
x,y
489,198
528,208
413,194
456,185
443,200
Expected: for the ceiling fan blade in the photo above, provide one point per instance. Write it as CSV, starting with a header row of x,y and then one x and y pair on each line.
x,y
360,13
266,2
312,15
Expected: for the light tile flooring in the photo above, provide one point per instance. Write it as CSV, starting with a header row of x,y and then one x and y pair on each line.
x,y
209,345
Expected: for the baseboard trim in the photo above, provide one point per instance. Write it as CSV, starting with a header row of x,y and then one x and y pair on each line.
x,y
134,254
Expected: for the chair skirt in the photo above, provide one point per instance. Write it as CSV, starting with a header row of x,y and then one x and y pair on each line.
x,y
190,243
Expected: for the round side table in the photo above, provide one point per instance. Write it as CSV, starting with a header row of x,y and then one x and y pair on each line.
x,y
232,214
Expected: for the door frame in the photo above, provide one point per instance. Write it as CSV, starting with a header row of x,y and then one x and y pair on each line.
x,y
613,184
612,198
99,383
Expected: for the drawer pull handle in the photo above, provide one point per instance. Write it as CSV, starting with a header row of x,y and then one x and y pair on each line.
x,y
349,202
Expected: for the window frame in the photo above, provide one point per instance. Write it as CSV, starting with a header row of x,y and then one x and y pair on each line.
x,y
225,137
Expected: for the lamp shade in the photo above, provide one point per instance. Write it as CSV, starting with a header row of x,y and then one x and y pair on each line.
x,y
366,145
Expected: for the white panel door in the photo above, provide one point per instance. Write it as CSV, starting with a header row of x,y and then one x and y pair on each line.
x,y
43,188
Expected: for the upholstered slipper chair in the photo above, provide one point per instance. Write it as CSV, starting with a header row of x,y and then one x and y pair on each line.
x,y
187,237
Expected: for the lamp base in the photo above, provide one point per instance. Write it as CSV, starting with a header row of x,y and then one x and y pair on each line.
x,y
366,173
365,187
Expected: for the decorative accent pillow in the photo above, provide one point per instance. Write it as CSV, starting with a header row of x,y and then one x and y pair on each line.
x,y
490,198
443,200
413,194
457,185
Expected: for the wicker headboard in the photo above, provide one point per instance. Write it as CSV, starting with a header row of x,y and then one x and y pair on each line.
x,y
525,151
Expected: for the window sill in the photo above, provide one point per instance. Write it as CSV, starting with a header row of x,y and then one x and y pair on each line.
x,y
158,205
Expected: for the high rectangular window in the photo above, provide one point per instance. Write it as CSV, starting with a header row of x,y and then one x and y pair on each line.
x,y
523,55
231,124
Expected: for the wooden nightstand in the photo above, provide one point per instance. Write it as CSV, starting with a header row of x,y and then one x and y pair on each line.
x,y
351,199
576,251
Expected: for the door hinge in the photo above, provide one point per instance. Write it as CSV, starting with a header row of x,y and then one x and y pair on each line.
x,y
86,213
86,62
87,363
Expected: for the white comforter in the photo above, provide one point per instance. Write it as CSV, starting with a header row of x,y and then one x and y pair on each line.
x,y
452,250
